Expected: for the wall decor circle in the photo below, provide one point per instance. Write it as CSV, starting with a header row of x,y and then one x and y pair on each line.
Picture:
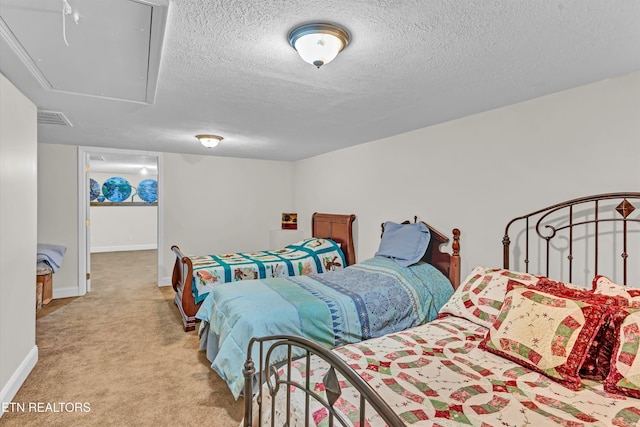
x,y
94,189
148,190
116,189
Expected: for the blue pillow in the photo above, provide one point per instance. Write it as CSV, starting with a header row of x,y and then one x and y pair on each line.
x,y
404,243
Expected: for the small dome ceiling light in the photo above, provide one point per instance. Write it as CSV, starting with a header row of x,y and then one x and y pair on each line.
x,y
209,141
318,43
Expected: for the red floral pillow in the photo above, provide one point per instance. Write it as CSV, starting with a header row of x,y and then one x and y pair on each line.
x,y
602,285
546,333
624,376
597,364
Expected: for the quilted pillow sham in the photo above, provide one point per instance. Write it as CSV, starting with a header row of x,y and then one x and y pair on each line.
x,y
479,297
597,361
624,376
546,333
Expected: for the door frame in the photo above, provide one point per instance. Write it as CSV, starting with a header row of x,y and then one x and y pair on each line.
x,y
84,249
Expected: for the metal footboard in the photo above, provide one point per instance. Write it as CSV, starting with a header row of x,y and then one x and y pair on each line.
x,y
268,373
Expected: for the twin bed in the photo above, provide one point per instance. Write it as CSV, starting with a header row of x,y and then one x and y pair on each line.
x,y
509,347
365,300
330,248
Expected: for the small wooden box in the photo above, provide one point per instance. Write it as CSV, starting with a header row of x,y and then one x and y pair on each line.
x,y
46,279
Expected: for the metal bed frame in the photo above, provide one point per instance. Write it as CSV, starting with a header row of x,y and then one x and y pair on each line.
x,y
332,387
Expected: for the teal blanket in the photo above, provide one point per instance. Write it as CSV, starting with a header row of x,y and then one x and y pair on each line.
x,y
363,301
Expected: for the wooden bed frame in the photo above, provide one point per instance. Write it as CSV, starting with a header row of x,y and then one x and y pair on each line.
x,y
551,222
337,227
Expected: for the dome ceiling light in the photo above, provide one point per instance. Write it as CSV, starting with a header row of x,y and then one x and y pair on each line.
x,y
209,141
318,43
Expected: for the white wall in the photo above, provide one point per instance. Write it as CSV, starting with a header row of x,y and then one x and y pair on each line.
x,y
18,244
58,210
123,228
478,172
215,204
210,204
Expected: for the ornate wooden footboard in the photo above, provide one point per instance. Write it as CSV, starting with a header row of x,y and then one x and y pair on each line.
x,y
277,384
337,227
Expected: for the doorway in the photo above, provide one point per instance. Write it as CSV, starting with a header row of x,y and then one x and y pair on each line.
x,y
119,204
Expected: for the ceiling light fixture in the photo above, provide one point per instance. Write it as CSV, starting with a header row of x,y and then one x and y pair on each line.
x,y
318,43
209,141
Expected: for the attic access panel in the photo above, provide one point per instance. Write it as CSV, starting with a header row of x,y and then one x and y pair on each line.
x,y
111,52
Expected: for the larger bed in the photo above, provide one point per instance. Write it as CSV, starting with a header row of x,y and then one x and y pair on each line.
x,y
331,247
510,348
365,300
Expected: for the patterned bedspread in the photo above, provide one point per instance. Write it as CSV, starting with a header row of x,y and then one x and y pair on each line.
x,y
362,301
435,375
305,257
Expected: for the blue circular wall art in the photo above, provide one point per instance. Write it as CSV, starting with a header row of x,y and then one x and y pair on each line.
x,y
148,190
94,189
116,189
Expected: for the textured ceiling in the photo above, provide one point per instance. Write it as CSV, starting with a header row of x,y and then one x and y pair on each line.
x,y
227,68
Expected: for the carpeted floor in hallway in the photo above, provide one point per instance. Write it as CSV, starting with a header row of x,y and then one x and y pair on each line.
x,y
120,356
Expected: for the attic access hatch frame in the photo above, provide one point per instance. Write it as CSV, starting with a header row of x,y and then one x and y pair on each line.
x,y
49,66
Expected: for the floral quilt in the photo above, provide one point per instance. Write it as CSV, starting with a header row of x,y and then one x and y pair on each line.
x,y
436,375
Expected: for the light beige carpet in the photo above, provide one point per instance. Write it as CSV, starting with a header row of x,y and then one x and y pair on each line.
x,y
120,355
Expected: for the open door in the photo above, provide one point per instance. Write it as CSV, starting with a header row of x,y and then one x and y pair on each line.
x,y
103,158
84,234
87,228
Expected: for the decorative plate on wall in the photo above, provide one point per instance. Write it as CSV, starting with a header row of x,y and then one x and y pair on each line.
x,y
94,189
116,189
148,190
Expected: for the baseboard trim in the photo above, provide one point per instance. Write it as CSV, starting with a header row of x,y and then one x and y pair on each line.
x,y
17,379
124,248
65,293
73,292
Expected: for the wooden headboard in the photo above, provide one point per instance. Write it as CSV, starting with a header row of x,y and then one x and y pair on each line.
x,y
337,228
448,264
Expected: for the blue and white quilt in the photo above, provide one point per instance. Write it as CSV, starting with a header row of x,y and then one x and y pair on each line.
x,y
313,255
363,301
